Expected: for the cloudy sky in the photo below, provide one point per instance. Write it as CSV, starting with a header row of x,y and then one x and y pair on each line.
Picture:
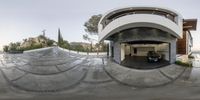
x,y
20,19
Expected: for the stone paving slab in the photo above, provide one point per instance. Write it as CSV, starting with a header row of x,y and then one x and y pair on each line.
x,y
47,63
20,59
1,65
172,71
196,63
96,61
68,65
7,63
97,75
42,70
133,77
4,86
43,76
195,76
47,83
49,58
13,73
20,63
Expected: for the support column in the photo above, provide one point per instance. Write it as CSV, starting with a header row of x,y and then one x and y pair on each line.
x,y
122,52
172,51
117,52
110,49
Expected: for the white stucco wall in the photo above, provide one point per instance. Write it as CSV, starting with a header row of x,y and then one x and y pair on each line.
x,y
140,20
127,50
142,51
163,49
122,52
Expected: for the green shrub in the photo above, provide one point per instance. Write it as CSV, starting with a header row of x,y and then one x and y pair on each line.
x,y
5,48
191,56
187,64
35,46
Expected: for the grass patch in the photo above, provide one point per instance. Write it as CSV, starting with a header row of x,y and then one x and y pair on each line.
x,y
186,64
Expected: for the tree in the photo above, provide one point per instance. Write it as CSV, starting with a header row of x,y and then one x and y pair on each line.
x,y
50,42
91,27
24,40
5,48
86,37
42,37
17,43
60,39
13,46
77,47
103,46
65,44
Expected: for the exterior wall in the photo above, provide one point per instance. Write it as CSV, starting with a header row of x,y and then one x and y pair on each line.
x,y
127,50
164,49
189,42
141,20
181,44
149,26
184,45
141,50
123,18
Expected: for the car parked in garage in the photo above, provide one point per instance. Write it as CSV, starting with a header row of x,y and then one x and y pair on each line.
x,y
153,56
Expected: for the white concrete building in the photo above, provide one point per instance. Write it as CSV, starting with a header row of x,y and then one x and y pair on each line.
x,y
133,31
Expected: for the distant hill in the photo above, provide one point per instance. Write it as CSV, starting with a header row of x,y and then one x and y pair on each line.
x,y
39,40
29,44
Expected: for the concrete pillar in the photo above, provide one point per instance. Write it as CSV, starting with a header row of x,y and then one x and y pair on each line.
x,y
122,52
172,51
110,49
117,52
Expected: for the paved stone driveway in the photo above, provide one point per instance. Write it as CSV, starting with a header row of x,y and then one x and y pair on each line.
x,y
55,73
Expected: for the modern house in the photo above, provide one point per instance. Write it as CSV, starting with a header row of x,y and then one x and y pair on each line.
x,y
133,31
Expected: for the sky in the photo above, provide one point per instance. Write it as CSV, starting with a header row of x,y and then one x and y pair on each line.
x,y
20,19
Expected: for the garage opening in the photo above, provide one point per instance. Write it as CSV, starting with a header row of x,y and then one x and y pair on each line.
x,y
145,54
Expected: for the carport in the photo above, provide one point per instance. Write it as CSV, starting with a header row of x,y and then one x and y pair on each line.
x,y
134,54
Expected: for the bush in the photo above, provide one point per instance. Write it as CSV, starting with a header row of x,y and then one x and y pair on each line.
x,y
35,46
50,42
191,56
187,64
5,48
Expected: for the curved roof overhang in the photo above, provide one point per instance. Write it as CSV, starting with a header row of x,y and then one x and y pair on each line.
x,y
140,20
120,9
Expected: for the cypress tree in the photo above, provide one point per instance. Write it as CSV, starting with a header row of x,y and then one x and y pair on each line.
x,y
60,39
